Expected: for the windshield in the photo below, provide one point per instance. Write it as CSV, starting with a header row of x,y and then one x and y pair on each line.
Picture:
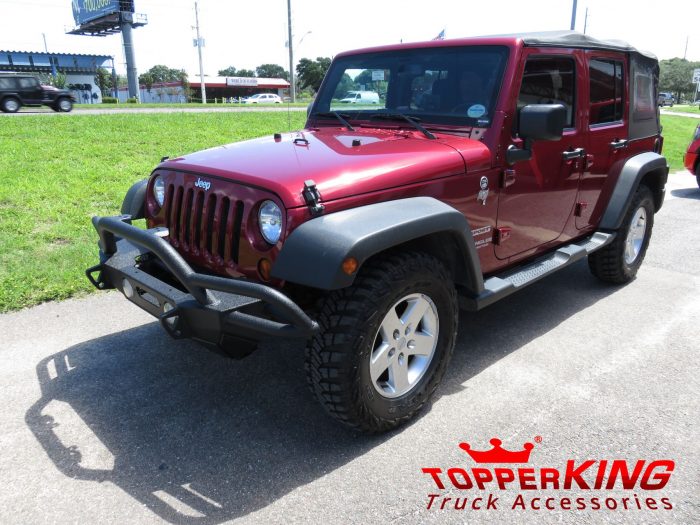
x,y
440,85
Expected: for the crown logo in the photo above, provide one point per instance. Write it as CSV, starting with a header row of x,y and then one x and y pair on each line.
x,y
498,454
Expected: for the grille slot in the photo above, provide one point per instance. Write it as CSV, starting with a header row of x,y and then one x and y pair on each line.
x,y
202,224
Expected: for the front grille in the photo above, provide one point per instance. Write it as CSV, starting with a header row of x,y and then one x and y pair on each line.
x,y
203,224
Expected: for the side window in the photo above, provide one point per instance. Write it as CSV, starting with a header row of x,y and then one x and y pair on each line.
x,y
549,80
7,83
607,91
28,82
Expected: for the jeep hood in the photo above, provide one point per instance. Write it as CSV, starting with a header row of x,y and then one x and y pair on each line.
x,y
340,162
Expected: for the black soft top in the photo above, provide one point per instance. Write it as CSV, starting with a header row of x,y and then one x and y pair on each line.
x,y
576,39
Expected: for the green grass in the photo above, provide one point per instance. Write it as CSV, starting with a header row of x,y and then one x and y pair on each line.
x,y
683,109
56,173
678,132
210,105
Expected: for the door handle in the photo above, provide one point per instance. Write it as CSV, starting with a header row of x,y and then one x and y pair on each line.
x,y
619,144
574,154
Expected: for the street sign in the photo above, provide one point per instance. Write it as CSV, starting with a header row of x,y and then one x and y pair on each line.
x,y
696,76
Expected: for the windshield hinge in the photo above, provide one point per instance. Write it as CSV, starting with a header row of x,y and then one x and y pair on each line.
x,y
312,198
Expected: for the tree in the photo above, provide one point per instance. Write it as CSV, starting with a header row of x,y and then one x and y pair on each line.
x,y
676,76
233,72
147,80
103,80
271,71
311,72
228,72
160,74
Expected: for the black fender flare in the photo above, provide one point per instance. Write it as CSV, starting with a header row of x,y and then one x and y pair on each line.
x,y
313,253
649,167
134,202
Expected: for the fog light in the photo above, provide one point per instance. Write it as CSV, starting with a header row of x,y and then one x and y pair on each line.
x,y
127,289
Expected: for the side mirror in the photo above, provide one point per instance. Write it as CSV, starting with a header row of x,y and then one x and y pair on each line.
x,y
537,122
542,122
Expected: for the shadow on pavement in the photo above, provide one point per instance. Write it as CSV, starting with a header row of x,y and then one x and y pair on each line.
x,y
200,439
687,193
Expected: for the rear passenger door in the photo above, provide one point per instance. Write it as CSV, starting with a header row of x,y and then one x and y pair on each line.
x,y
607,130
30,90
537,196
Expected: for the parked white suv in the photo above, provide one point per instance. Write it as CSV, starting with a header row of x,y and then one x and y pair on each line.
x,y
263,98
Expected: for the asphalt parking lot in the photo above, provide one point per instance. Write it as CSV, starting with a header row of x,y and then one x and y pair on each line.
x,y
106,420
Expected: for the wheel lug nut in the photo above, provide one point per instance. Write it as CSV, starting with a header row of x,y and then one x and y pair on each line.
x,y
397,334
411,344
392,352
409,329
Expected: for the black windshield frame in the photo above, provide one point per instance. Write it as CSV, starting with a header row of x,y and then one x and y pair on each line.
x,y
446,66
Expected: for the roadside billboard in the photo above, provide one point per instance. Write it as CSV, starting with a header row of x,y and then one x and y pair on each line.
x,y
86,10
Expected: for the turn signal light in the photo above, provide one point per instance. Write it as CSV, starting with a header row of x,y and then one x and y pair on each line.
x,y
265,269
350,265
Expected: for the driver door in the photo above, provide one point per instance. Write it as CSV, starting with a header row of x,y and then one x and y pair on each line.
x,y
537,197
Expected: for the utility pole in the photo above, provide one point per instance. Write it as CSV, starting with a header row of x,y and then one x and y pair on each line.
x,y
685,53
573,16
53,65
199,49
291,52
585,22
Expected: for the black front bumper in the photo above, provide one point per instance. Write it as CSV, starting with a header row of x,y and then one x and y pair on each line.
x,y
226,314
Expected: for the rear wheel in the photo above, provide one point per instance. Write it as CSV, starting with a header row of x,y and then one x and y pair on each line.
x,y
10,105
619,261
385,342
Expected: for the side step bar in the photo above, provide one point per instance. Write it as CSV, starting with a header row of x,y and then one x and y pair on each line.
x,y
499,286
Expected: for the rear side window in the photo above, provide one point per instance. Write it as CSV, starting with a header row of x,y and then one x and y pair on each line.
x,y
7,83
549,80
28,82
607,91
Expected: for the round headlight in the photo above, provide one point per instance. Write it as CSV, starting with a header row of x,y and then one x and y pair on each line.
x,y
270,220
159,190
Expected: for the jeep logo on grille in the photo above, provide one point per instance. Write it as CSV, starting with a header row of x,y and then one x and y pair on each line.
x,y
204,184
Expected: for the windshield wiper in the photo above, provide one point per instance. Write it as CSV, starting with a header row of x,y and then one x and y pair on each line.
x,y
411,120
340,116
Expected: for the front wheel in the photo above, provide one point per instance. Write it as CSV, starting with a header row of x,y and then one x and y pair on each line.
x,y
65,105
619,261
385,342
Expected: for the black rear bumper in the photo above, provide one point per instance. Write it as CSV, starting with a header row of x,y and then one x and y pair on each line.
x,y
230,315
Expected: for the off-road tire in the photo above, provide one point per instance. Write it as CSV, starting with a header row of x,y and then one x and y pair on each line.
x,y
338,357
609,263
10,105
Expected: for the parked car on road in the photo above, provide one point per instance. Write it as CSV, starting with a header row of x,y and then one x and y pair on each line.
x,y
666,99
366,232
692,155
25,90
263,98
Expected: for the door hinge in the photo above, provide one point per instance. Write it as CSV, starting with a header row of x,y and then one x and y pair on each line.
x,y
580,208
500,235
507,178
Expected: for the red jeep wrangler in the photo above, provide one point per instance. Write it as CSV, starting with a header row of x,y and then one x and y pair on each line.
x,y
488,164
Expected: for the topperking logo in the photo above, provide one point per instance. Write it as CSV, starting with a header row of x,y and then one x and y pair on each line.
x,y
491,484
